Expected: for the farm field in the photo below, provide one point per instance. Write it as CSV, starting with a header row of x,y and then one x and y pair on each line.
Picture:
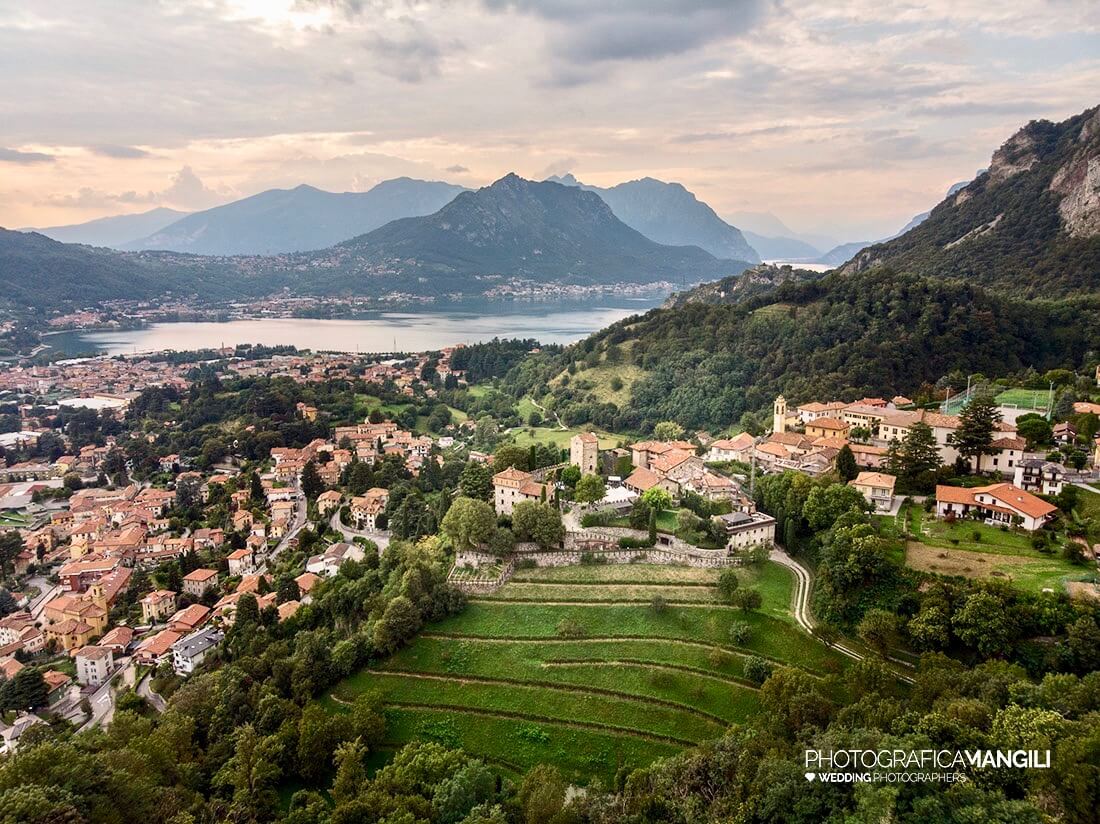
x,y
951,549
575,667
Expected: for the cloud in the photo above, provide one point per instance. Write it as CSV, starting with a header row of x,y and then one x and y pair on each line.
x,y
24,158
410,55
186,190
457,169
119,152
583,35
559,168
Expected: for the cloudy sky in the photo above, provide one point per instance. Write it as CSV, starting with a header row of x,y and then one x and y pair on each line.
x,y
842,117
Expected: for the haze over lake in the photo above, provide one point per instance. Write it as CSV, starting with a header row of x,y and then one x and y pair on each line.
x,y
404,331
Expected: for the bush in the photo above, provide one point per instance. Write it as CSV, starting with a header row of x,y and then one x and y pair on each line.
x,y
740,632
592,559
568,628
757,669
727,584
659,605
634,543
747,599
977,536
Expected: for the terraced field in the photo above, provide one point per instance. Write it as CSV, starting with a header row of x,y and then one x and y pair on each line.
x,y
576,667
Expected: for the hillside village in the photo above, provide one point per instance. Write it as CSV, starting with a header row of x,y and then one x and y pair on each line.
x,y
131,576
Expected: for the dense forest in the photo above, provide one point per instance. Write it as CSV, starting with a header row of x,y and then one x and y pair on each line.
x,y
845,336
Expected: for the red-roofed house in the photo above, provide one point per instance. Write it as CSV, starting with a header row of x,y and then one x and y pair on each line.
x,y
998,503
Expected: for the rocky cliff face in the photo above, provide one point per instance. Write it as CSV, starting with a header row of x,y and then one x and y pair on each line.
x,y
1030,224
1078,182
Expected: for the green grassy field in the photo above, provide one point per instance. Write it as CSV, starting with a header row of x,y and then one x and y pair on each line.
x,y
560,437
951,549
626,685
1025,398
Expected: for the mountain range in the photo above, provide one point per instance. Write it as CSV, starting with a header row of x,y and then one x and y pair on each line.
x,y
512,228
515,228
113,232
668,213
298,219
1003,276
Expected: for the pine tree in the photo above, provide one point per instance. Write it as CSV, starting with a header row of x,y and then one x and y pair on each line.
x,y
977,423
312,485
846,464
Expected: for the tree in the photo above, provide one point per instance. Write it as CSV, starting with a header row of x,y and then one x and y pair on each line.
x,y
846,464
510,454
977,423
251,774
542,794
916,458
825,504
476,481
668,431
538,522
984,624
570,476
589,489
318,734
312,485
878,629
728,583
1036,429
11,544
757,669
469,522
657,499
25,691
351,771
747,599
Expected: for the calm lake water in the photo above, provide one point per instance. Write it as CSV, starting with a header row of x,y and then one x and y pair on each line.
x,y
402,331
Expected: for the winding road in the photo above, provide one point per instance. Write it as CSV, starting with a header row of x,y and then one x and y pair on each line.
x,y
380,538
802,615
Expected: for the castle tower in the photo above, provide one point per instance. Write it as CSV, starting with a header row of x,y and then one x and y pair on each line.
x,y
779,415
584,452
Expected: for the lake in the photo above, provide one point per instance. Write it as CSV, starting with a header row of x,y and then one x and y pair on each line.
x,y
400,330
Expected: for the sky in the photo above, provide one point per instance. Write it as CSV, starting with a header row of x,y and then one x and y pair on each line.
x,y
842,117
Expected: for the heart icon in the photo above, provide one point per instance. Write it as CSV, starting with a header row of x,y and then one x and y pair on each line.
x,y
811,776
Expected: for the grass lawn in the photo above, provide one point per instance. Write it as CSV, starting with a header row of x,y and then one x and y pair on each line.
x,y
951,549
640,582
1025,398
639,684
560,437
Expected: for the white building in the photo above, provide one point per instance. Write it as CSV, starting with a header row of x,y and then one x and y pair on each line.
x,y
745,529
191,650
328,563
877,488
1039,476
996,504
94,665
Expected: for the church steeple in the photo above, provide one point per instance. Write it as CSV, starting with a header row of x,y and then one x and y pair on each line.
x,y
779,415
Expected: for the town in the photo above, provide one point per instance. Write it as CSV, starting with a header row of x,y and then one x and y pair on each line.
x,y
127,564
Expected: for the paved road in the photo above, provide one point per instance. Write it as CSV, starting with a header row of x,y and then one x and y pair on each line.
x,y
295,527
102,700
802,614
48,592
145,690
381,538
